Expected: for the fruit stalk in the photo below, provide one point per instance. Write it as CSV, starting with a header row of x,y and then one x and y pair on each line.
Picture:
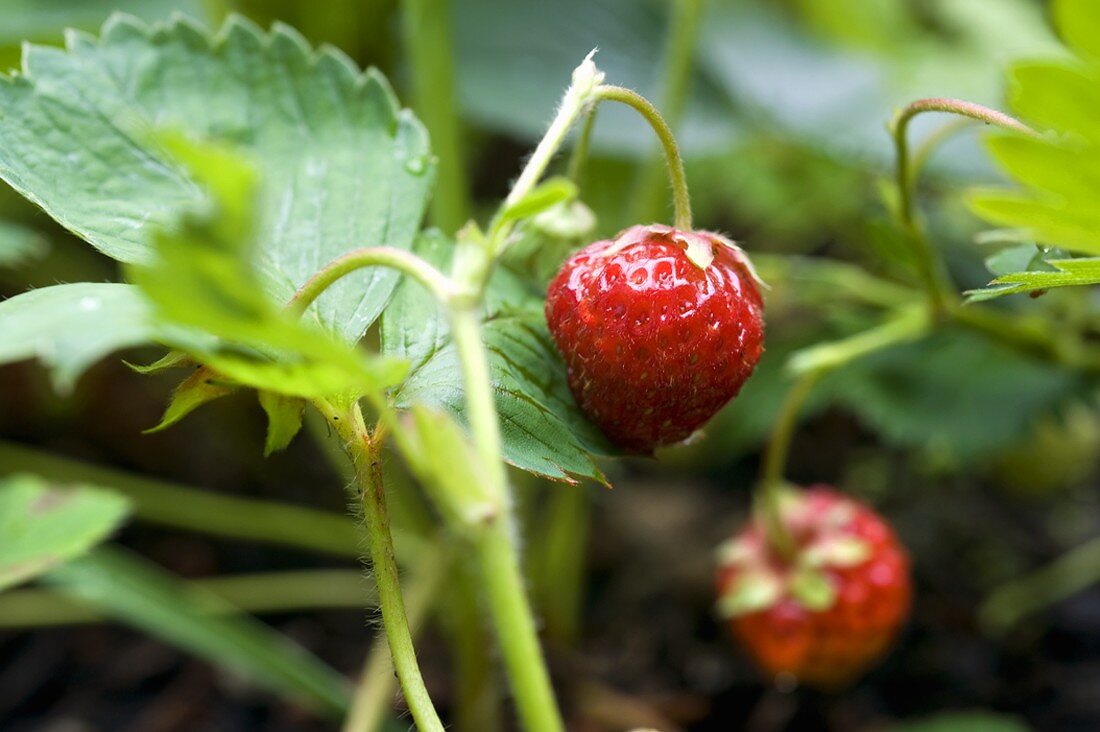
x,y
673,160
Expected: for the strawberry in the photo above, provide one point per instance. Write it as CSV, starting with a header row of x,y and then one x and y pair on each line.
x,y
659,328
827,613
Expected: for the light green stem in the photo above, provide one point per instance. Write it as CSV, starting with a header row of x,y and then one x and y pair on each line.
x,y
427,25
262,592
374,692
399,259
677,66
167,504
674,162
364,449
496,542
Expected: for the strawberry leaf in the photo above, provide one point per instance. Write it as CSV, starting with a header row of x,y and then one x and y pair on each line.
x,y
542,428
342,166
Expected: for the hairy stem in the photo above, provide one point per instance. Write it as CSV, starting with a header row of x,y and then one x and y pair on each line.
x,y
579,157
427,25
374,692
364,449
677,66
675,163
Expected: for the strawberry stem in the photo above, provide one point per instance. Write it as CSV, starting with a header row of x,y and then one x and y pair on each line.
x,y
770,492
680,198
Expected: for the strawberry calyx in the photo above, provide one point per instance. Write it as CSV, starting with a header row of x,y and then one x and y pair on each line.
x,y
700,247
758,578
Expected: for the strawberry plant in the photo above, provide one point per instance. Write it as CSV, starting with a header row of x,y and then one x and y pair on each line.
x,y
262,203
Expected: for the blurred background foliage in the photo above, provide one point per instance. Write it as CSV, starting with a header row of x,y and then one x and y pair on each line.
x,y
984,457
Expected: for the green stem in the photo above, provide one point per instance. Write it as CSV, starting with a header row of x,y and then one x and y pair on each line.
x,y
477,692
1071,573
168,504
364,449
677,65
559,561
262,592
399,259
427,26
496,543
579,157
771,481
374,692
675,163
941,293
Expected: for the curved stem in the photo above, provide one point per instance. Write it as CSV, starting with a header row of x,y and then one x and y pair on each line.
x,y
771,481
675,163
364,449
940,293
398,259
677,65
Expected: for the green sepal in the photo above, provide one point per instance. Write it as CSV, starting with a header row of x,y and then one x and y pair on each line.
x,y
170,360
837,551
752,591
194,391
813,589
284,419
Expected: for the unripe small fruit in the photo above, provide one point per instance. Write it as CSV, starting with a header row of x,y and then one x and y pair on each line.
x,y
659,329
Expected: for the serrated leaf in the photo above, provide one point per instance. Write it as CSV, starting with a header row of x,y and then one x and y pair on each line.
x,y
542,429
1064,273
284,420
42,525
342,167
70,327
135,591
201,277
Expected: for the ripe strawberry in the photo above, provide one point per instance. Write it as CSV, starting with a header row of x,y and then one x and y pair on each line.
x,y
659,329
833,609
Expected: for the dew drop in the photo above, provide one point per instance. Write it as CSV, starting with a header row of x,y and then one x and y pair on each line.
x,y
416,165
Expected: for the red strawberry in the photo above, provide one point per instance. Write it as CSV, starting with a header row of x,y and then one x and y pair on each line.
x,y
829,612
659,329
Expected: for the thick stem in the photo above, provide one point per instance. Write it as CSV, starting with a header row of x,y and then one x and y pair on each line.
x,y
427,25
771,481
677,66
374,692
399,259
675,163
364,450
496,544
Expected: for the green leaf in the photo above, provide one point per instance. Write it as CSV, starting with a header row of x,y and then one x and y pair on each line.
x,y
813,589
978,721
70,327
1066,273
42,526
202,277
545,195
284,420
753,591
131,589
19,245
542,429
342,167
1059,172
